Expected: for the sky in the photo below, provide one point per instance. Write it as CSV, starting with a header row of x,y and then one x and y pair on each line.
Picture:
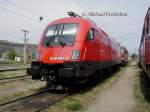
x,y
23,14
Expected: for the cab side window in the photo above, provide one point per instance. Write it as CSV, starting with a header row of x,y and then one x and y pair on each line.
x,y
147,26
90,34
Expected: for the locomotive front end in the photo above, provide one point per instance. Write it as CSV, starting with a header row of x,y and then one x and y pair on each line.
x,y
59,53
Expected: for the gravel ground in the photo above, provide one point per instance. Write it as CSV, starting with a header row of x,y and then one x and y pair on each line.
x,y
18,89
117,98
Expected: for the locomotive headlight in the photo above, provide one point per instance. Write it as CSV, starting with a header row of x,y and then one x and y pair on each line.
x,y
75,54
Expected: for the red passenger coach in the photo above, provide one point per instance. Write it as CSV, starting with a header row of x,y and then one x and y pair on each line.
x,y
71,49
144,50
124,56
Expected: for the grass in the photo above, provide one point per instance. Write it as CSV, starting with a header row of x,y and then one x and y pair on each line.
x,y
10,62
7,62
80,101
29,87
19,94
13,84
13,96
72,104
8,74
142,92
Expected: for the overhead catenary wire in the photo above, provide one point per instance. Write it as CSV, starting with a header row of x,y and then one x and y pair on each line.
x,y
108,30
88,5
85,4
120,37
80,5
87,10
18,14
23,8
33,13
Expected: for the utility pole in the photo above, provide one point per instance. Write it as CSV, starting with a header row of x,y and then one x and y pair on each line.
x,y
25,58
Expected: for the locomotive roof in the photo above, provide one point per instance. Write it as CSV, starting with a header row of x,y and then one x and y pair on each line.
x,y
76,20
69,20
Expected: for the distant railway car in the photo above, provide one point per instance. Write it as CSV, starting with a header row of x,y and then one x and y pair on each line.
x,y
144,49
71,49
124,56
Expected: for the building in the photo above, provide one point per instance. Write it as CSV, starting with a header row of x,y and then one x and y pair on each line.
x,y
18,48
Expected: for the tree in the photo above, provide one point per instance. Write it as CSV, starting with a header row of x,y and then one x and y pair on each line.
x,y
134,56
9,55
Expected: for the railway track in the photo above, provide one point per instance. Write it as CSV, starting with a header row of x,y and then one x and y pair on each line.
x,y
32,103
11,79
3,69
13,65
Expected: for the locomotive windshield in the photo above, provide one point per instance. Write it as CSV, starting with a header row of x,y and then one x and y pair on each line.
x,y
60,34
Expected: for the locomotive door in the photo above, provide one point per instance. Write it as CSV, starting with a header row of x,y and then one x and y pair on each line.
x,y
92,45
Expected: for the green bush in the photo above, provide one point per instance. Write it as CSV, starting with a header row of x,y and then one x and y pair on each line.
x,y
9,55
72,104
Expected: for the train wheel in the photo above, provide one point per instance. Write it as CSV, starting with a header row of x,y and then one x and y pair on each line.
x,y
54,86
50,84
139,65
100,75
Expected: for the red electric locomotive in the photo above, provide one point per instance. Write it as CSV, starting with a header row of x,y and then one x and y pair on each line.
x,y
144,50
71,49
124,56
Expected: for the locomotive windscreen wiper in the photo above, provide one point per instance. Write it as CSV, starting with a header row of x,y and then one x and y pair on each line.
x,y
48,41
61,40
60,34
62,43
